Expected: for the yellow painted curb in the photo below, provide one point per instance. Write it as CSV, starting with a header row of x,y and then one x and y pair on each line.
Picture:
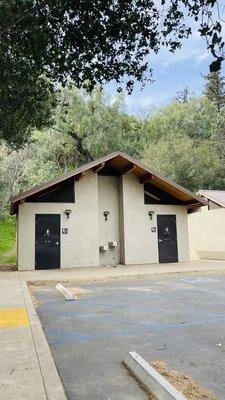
x,y
13,317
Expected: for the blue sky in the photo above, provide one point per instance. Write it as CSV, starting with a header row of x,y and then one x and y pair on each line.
x,y
171,73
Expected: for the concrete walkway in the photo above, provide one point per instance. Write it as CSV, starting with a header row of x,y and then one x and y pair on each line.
x,y
124,272
27,369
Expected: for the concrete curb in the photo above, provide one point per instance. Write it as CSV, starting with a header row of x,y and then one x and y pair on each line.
x,y
151,380
126,275
78,280
65,292
52,384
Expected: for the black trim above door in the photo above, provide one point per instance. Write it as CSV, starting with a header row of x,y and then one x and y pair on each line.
x,y
167,238
47,241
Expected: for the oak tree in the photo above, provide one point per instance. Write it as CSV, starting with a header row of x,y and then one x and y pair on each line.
x,y
88,41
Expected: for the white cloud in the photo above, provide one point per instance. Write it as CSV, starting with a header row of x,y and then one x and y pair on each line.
x,y
192,49
144,101
202,57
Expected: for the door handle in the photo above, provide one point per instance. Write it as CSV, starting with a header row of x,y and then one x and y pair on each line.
x,y
160,240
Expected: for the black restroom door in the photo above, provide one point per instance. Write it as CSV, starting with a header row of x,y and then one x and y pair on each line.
x,y
167,238
47,241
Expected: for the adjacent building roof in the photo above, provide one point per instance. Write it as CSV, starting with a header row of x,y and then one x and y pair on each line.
x,y
216,196
121,164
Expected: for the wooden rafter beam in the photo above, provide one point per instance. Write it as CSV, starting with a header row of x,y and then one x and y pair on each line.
x,y
146,178
191,205
79,176
128,169
98,167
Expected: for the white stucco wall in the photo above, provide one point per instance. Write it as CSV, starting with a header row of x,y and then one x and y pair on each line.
x,y
128,223
140,244
207,234
80,246
211,206
108,200
121,220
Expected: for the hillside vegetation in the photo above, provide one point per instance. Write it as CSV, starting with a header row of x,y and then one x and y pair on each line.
x,y
185,140
8,241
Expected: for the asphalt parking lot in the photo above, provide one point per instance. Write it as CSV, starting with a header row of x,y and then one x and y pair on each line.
x,y
178,319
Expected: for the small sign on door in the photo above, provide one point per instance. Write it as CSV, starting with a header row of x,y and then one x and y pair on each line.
x,y
64,231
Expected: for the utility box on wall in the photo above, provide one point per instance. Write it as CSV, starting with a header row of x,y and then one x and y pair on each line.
x,y
113,244
103,248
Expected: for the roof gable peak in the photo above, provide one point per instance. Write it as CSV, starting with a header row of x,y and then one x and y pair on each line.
x,y
125,164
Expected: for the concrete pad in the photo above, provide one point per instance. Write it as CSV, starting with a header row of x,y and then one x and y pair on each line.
x,y
27,369
19,369
51,381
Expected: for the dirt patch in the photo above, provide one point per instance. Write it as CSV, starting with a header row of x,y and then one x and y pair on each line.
x,y
47,283
32,290
8,267
33,286
78,292
184,383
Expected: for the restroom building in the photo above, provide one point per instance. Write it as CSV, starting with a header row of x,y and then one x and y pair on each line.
x,y
111,211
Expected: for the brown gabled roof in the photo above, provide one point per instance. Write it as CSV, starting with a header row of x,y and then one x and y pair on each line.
x,y
216,196
123,164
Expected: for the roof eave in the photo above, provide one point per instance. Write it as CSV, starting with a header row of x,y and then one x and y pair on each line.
x,y
15,201
201,193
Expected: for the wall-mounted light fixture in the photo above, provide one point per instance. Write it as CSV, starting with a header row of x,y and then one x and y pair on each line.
x,y
67,213
151,213
106,214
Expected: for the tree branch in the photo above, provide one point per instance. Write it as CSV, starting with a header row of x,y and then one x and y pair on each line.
x,y
86,155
